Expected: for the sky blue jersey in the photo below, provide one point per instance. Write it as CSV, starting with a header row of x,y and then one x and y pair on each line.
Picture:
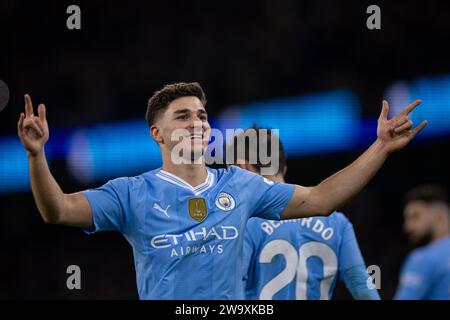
x,y
425,274
300,259
187,242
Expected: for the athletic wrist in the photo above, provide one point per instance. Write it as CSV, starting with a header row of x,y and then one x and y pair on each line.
x,y
35,155
382,147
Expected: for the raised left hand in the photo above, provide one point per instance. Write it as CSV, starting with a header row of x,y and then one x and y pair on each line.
x,y
397,132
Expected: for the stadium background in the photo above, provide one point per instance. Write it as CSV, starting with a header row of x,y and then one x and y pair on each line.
x,y
311,68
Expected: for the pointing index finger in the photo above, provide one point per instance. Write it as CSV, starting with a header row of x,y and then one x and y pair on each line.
x,y
411,107
28,106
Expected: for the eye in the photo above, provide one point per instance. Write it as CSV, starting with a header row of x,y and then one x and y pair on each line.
x,y
203,118
182,117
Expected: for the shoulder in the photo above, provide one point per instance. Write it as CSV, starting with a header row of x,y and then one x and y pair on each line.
x,y
235,173
432,253
235,170
132,182
339,217
418,257
337,220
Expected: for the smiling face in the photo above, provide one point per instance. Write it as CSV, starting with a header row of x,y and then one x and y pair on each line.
x,y
183,124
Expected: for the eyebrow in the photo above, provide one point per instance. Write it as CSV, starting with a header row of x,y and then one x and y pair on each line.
x,y
188,110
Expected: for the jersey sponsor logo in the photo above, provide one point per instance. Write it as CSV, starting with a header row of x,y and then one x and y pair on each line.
x,y
191,250
225,201
197,209
158,207
201,234
195,241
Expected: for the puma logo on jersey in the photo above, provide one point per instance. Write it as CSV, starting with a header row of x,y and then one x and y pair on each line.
x,y
159,208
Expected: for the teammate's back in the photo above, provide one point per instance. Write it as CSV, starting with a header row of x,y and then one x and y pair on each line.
x,y
301,259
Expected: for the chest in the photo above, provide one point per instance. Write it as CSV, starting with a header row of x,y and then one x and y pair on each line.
x,y
177,219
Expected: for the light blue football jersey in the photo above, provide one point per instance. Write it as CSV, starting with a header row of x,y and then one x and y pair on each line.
x,y
187,242
425,274
300,259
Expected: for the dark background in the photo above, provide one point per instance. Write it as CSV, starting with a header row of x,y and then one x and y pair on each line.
x,y
240,52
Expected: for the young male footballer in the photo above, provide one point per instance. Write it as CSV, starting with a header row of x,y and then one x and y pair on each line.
x,y
184,221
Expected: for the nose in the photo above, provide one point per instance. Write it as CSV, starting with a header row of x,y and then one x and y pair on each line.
x,y
196,123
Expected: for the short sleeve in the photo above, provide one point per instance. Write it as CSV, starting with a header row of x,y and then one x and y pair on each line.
x,y
273,197
109,205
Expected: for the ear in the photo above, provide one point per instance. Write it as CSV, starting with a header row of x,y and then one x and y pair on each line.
x,y
284,171
156,134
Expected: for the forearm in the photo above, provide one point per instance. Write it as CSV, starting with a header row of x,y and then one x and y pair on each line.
x,y
336,190
46,191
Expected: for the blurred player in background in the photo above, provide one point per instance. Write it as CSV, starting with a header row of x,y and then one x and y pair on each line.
x,y
298,259
425,274
184,221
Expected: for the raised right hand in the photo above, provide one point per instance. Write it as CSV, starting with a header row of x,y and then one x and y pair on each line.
x,y
33,130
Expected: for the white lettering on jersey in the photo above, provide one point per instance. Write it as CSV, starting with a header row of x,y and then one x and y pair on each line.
x,y
169,240
317,226
190,250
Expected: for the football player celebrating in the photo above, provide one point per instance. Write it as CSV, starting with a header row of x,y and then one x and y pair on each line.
x,y
184,221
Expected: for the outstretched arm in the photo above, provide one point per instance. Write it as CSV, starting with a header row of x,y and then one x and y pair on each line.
x,y
53,205
333,192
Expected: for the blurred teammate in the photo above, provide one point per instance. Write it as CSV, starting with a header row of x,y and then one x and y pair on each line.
x,y
425,274
299,259
185,221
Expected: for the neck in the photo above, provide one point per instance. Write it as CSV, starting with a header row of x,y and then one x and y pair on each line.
x,y
276,178
194,174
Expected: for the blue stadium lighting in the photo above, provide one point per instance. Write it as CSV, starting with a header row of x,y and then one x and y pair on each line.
x,y
311,124
13,166
107,151
435,95
308,125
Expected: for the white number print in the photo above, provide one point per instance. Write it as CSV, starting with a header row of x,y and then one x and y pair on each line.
x,y
296,266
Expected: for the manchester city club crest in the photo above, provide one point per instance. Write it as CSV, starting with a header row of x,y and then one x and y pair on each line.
x,y
225,201
197,209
